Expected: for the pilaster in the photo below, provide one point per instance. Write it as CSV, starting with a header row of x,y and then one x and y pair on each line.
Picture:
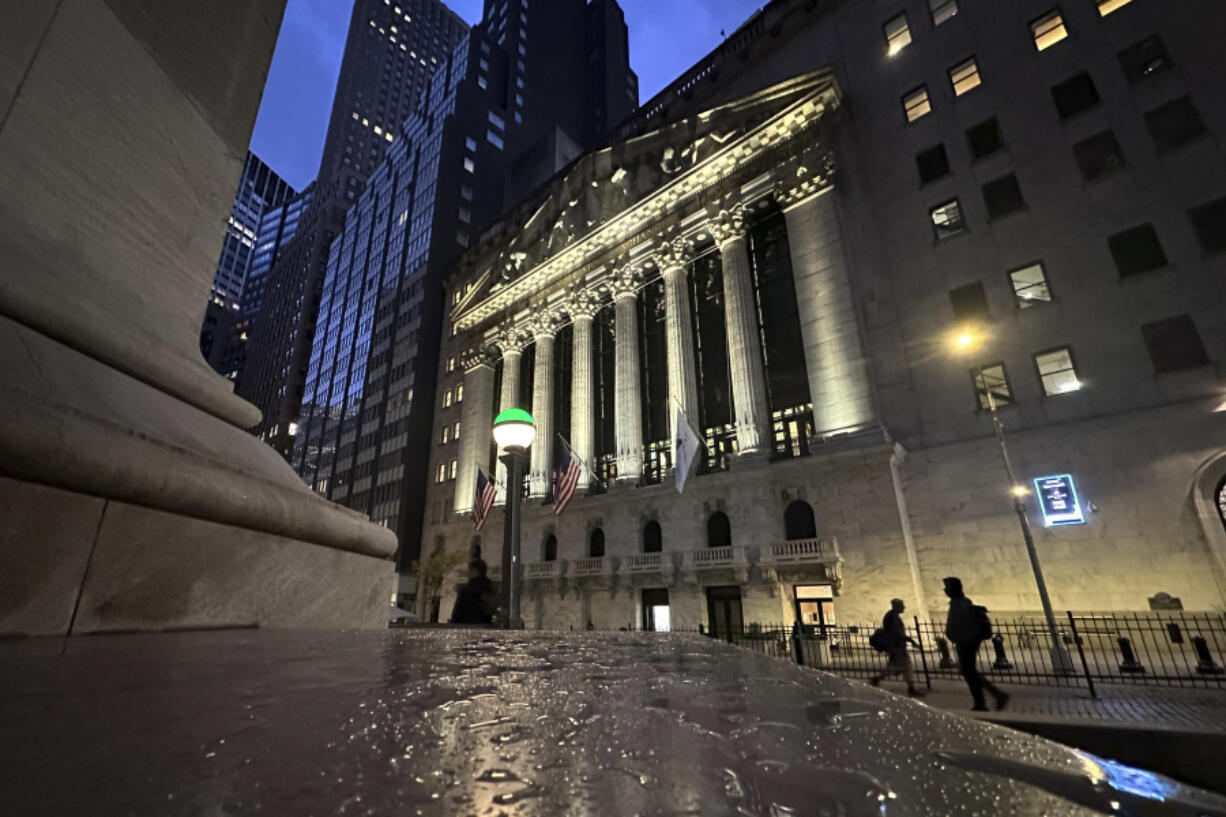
x,y
475,424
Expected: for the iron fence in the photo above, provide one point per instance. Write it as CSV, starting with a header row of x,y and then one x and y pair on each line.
x,y
1169,649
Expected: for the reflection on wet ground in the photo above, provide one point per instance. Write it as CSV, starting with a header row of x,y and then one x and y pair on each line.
x,y
464,722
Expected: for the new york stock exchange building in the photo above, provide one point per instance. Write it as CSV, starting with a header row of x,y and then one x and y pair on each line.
x,y
758,258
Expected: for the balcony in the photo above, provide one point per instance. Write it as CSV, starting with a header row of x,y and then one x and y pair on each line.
x,y
544,571
714,558
598,566
645,563
810,558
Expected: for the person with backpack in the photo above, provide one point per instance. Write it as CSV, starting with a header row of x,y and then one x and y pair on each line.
x,y
968,626
476,601
892,639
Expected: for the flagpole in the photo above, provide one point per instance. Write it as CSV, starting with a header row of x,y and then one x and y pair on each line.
x,y
571,451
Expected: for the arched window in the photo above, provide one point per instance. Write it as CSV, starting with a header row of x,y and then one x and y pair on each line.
x,y
719,530
595,544
798,521
653,540
1221,501
551,548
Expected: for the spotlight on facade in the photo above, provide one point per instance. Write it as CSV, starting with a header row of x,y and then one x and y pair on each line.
x,y
514,430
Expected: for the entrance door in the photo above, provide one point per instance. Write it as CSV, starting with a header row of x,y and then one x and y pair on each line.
x,y
815,606
655,610
724,612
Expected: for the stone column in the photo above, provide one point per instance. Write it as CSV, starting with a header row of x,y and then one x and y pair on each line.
x,y
582,410
674,260
541,472
628,413
752,414
839,382
476,421
511,351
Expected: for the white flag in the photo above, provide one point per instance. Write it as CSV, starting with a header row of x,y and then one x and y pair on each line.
x,y
686,446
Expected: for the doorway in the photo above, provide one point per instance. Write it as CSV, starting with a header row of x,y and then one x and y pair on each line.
x,y
655,610
815,606
724,612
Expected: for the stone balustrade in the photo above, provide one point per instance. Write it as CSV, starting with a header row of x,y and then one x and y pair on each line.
x,y
801,551
710,558
645,563
598,566
541,571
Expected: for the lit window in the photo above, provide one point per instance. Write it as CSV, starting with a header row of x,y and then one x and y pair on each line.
x,y
1048,30
450,364
947,220
992,386
453,469
1057,372
469,164
404,216
459,393
447,396
455,431
446,435
916,104
1105,7
897,34
494,139
942,10
497,121
441,477
1030,286
964,76
470,143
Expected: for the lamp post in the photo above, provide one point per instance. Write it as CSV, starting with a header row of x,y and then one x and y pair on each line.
x,y
1061,661
514,432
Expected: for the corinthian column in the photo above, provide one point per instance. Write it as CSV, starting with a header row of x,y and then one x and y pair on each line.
x,y
542,407
628,414
753,422
582,412
674,260
512,344
475,422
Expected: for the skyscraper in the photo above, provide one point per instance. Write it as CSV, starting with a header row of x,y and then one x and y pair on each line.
x,y
519,98
391,52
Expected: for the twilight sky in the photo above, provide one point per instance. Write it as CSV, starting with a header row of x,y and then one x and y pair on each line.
x,y
666,38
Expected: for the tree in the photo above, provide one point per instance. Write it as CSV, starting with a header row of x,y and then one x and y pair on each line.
x,y
432,571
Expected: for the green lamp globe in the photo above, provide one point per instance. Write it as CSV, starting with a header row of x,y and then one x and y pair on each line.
x,y
514,429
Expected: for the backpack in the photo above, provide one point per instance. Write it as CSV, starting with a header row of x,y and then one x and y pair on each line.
x,y
983,624
878,640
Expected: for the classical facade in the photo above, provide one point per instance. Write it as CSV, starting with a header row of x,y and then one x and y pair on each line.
x,y
758,249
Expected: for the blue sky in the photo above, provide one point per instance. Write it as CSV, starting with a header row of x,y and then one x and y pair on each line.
x,y
666,38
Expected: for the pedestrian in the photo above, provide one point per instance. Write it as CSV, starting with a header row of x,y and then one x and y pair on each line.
x,y
967,627
893,642
475,602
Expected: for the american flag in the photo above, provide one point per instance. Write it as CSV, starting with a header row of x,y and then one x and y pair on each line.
x,y
569,470
486,491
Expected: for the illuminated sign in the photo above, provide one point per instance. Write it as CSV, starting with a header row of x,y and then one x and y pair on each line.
x,y
1058,500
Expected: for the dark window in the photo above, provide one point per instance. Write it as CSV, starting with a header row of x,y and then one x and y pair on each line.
x,y
527,368
970,304
992,386
604,406
1174,124
947,220
1174,344
563,347
1136,250
1144,59
551,548
1003,196
798,522
1030,287
711,361
595,543
653,540
719,530
1098,155
932,163
985,138
653,377
1074,95
1209,222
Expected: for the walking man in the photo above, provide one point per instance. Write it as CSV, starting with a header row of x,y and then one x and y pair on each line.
x,y
894,640
967,628
475,602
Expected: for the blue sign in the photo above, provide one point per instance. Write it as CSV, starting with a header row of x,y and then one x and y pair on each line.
x,y
1058,500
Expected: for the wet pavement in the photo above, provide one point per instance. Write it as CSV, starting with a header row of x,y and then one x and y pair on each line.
x,y
479,723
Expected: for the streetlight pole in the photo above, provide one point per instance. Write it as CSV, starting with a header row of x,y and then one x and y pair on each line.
x,y
1061,661
512,580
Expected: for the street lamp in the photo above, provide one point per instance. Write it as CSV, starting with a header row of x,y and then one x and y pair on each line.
x,y
514,432
966,340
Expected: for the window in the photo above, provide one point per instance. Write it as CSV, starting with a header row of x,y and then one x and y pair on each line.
x,y
1144,59
719,530
466,217
964,76
469,164
1209,222
441,476
466,192
1174,124
470,143
1048,30
942,10
497,121
947,219
916,104
455,430
484,64
452,469
1099,155
595,544
461,238
984,139
970,303
459,393
653,539
1174,344
1136,250
482,81
932,163
494,139
446,435
1057,372
519,118
992,386
1003,196
519,82
447,396
1105,7
550,549
897,34
798,521
1030,286
1074,95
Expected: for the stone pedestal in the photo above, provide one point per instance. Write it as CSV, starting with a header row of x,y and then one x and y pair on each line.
x,y
131,497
